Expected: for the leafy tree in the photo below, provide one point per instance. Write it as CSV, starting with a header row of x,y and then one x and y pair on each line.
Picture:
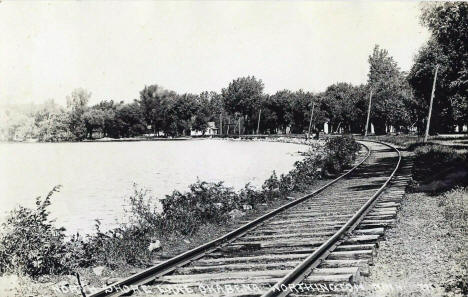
x,y
17,125
129,120
298,112
217,109
391,93
178,117
242,98
343,105
448,48
279,104
94,119
154,101
76,104
203,113
111,125
55,128
448,24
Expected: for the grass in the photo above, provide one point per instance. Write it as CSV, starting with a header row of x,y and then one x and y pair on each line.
x,y
439,168
454,206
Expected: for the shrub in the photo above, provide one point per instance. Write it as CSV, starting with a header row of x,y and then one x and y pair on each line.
x,y
271,188
203,203
306,171
126,244
340,152
251,196
30,243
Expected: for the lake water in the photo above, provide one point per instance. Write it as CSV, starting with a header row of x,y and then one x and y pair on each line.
x,y
97,177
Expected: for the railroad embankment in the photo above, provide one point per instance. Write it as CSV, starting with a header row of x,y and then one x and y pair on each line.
x,y
425,254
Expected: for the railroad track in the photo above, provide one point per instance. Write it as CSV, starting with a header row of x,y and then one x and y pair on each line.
x,y
326,237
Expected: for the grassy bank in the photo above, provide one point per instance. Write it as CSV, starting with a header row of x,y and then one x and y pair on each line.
x,y
425,253
411,142
438,168
30,244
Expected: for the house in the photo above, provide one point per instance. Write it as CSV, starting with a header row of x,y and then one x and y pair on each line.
x,y
210,130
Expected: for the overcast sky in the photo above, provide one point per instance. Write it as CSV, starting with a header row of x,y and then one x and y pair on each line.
x,y
114,49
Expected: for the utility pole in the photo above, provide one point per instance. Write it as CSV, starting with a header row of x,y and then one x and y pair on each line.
x,y
258,124
311,116
368,113
221,123
430,104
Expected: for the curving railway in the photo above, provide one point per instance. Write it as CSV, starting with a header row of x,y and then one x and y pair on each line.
x,y
304,248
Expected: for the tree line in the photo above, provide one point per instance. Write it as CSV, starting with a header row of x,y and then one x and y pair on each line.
x,y
399,99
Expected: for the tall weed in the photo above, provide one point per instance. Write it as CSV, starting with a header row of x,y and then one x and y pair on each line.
x,y
29,242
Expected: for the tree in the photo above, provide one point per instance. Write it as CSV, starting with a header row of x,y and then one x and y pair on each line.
x,y
203,113
93,119
129,120
154,101
217,109
111,126
278,104
448,48
448,24
298,112
55,128
391,93
242,99
178,117
76,104
343,105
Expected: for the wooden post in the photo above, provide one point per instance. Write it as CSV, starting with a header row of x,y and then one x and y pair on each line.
x,y
430,104
221,124
239,127
368,113
311,116
258,123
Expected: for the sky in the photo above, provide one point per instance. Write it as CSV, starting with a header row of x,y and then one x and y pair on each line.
x,y
115,48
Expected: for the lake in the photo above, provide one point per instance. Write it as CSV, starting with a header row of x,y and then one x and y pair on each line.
x,y
96,177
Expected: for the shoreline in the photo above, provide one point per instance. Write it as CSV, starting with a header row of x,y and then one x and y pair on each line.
x,y
299,152
178,138
99,276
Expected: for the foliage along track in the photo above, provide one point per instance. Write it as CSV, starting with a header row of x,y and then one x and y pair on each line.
x,y
328,239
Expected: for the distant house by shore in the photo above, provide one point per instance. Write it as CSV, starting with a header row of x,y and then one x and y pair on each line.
x,y
210,130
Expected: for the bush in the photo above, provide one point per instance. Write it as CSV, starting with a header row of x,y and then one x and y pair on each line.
x,y
340,152
305,172
30,244
203,203
271,188
251,196
126,244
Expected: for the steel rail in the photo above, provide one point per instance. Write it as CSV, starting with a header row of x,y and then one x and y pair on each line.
x,y
298,274
125,285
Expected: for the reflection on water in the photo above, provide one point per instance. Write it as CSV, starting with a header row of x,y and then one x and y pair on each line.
x,y
96,177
